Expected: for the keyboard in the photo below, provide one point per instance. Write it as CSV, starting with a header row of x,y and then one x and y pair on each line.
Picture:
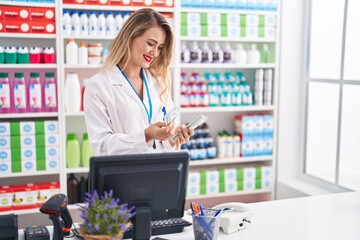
x,y
159,227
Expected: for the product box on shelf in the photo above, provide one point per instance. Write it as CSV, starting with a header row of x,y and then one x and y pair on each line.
x,y
46,191
4,142
25,196
13,13
97,2
52,164
5,166
42,27
16,27
5,154
4,128
230,186
6,198
74,1
2,27
1,12
42,14
193,190
28,166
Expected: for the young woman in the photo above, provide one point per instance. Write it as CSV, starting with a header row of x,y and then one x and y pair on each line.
x,y
125,104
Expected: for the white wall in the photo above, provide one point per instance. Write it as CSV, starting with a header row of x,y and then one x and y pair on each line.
x,y
290,93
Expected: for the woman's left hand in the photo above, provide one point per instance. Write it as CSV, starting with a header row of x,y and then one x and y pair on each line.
x,y
184,135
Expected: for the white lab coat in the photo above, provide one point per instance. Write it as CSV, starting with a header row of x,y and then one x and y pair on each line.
x,y
115,116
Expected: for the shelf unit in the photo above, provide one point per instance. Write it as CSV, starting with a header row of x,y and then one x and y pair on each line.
x,y
70,122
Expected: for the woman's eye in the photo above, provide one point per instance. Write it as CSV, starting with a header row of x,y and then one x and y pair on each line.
x,y
150,44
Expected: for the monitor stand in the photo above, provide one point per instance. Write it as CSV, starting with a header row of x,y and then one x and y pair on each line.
x,y
142,223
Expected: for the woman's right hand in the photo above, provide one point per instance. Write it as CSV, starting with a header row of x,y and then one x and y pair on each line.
x,y
159,131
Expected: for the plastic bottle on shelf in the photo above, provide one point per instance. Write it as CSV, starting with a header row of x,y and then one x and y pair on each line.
x,y
86,151
66,23
240,54
19,93
5,101
195,53
247,96
126,16
2,57
207,54
228,53
83,54
110,24
35,93
236,145
265,54
72,52
253,56
50,93
84,24
185,53
218,54
75,23
72,93
23,55
73,189
93,24
72,151
101,21
118,22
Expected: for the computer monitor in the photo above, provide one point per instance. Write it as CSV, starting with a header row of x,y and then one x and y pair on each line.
x,y
155,183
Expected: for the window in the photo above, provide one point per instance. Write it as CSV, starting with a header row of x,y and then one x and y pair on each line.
x,y
332,122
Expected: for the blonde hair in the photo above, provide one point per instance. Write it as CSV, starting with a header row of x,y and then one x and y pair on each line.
x,y
136,25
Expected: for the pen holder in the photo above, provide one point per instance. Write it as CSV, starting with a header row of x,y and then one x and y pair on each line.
x,y
206,227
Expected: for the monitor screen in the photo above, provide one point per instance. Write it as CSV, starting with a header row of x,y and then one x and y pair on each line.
x,y
154,180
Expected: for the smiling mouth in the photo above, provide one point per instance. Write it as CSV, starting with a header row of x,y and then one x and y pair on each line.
x,y
148,59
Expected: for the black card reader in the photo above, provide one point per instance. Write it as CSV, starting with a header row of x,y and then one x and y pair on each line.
x,y
36,233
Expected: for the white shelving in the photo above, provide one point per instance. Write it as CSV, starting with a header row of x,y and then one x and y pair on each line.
x,y
69,122
29,66
227,109
224,66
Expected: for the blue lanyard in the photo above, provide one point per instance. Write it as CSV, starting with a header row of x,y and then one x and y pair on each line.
x,y
149,114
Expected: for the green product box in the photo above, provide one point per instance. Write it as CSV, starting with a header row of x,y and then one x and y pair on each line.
x,y
240,174
14,128
39,127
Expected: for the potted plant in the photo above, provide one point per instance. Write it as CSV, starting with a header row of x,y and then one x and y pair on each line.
x,y
104,217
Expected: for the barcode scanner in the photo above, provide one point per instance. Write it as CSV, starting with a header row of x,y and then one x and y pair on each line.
x,y
56,208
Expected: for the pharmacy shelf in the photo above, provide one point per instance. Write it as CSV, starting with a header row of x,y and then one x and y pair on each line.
x,y
228,11
250,108
28,4
89,66
29,66
38,173
28,115
234,160
221,195
21,211
89,37
27,35
79,114
113,8
77,170
230,39
225,66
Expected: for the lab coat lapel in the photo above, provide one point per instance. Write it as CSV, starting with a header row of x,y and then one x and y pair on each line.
x,y
115,77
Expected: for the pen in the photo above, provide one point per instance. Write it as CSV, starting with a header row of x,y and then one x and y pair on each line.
x,y
215,215
164,111
198,211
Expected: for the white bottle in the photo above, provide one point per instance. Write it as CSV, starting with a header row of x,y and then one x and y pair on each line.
x,y
118,22
71,52
253,55
185,53
75,23
126,16
72,93
228,53
240,54
195,53
110,24
92,24
83,54
218,54
101,24
207,54
84,24
66,23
